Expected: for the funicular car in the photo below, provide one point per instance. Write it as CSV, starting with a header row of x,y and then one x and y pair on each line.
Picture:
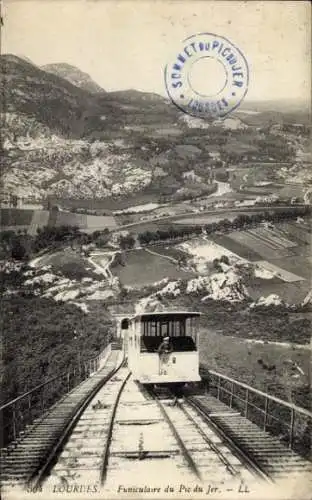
x,y
163,347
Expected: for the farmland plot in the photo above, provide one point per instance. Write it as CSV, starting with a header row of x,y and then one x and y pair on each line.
x,y
169,251
300,233
68,219
266,242
276,237
204,219
236,247
300,265
272,239
99,222
39,219
254,233
282,254
251,241
291,292
279,272
15,217
142,268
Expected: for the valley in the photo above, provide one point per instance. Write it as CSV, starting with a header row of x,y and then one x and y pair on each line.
x,y
116,202
103,150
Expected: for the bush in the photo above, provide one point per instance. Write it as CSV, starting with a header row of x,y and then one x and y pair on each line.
x,y
127,241
43,338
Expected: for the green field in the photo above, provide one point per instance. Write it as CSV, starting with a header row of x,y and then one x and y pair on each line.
x,y
235,247
15,217
284,248
22,218
278,324
240,360
99,222
300,233
291,293
299,265
261,190
199,220
286,245
253,240
69,263
68,219
169,251
142,268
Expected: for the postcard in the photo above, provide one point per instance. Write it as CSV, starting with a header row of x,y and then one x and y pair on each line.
x,y
155,249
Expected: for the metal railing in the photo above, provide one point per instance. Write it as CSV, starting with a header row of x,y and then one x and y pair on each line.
x,y
290,423
24,410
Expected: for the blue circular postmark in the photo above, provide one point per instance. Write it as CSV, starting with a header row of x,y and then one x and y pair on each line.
x,y
207,76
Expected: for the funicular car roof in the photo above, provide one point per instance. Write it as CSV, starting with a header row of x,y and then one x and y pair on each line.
x,y
146,316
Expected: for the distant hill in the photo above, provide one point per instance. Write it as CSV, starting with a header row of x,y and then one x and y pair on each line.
x,y
281,105
276,111
65,141
132,95
67,138
78,109
50,99
74,75
25,58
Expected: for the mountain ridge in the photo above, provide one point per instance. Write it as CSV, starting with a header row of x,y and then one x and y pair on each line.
x,y
68,142
74,75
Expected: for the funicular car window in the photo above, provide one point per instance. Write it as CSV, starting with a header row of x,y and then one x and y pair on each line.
x,y
150,328
145,328
164,328
191,328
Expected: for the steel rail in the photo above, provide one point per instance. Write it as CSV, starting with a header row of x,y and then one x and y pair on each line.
x,y
249,462
103,473
211,444
177,436
36,480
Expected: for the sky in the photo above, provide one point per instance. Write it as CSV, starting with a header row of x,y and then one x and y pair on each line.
x,y
126,44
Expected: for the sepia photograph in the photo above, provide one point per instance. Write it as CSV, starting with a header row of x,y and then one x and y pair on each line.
x,y
155,250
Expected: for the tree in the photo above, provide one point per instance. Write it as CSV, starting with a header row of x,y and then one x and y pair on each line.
x,y
182,260
146,237
49,235
225,260
118,260
96,234
18,251
127,241
217,266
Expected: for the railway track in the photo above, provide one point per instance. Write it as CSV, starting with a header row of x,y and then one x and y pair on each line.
x,y
83,459
208,453
129,434
28,460
155,436
111,430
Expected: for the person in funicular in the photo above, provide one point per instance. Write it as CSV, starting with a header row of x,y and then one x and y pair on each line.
x,y
164,350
